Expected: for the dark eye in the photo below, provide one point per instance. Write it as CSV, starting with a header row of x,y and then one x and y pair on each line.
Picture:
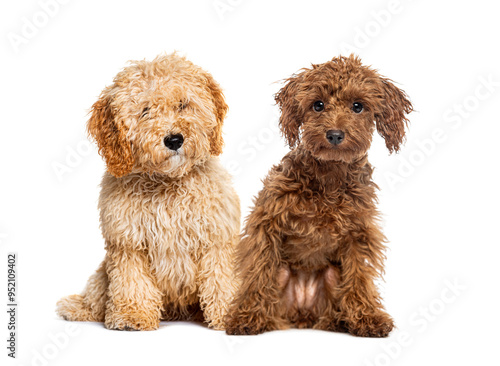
x,y
318,106
145,111
182,105
357,107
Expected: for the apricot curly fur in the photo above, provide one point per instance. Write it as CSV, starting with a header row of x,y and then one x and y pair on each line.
x,y
312,246
170,218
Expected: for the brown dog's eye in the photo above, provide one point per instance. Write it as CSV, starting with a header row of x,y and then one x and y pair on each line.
x,y
357,107
318,106
182,105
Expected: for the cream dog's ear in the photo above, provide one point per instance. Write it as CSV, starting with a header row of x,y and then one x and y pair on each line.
x,y
220,106
111,136
390,114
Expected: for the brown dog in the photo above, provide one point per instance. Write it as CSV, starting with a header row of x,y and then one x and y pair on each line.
x,y
312,246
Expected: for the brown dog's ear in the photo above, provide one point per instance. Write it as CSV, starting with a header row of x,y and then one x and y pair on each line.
x,y
111,137
390,117
290,120
217,142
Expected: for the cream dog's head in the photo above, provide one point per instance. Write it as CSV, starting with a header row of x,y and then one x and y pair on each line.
x,y
163,116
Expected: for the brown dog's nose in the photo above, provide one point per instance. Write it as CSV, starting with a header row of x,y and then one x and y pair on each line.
x,y
174,142
335,137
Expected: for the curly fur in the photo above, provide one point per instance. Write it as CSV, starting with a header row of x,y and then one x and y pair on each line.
x,y
170,219
312,246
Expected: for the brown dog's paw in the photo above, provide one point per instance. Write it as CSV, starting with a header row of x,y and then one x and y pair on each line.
x,y
130,322
377,325
245,326
243,330
242,327
331,325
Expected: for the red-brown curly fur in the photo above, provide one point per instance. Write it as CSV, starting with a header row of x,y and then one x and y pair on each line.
x,y
312,246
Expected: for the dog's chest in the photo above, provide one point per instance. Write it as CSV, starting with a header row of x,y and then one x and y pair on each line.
x,y
172,221
164,217
318,223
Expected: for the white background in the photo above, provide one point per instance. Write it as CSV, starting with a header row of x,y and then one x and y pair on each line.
x,y
439,196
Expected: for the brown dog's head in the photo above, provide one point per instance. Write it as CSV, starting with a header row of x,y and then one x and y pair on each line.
x,y
333,109
163,116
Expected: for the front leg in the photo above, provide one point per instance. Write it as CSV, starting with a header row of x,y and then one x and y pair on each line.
x,y
361,309
134,300
256,307
216,281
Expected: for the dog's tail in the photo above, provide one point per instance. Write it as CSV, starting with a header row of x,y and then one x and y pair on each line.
x,y
91,304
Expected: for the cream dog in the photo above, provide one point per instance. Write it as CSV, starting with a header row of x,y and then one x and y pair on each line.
x,y
169,214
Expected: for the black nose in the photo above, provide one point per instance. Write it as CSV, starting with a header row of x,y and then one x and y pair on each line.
x,y
173,142
335,137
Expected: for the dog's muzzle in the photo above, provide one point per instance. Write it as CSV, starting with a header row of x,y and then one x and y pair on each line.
x,y
335,137
174,142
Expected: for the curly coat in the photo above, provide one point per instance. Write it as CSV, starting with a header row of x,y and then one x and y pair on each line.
x,y
312,247
170,218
